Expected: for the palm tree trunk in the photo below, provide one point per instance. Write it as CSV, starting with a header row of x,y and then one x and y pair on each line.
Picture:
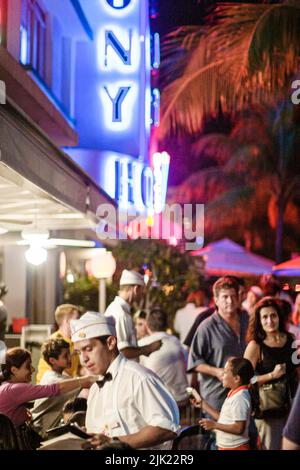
x,y
279,228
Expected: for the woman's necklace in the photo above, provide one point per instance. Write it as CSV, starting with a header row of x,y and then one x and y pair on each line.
x,y
277,338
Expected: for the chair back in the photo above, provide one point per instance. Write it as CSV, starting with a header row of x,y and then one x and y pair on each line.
x,y
192,438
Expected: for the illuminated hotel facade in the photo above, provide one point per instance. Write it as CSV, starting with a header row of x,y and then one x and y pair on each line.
x,y
117,105
76,130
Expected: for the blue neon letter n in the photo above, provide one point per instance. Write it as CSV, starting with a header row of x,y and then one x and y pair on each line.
x,y
112,40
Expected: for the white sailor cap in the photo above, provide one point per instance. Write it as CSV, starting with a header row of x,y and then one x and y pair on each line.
x,y
131,278
92,325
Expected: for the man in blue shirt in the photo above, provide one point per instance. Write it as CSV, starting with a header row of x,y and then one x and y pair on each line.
x,y
219,337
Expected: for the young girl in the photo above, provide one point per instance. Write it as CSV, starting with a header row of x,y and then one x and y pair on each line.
x,y
16,391
232,422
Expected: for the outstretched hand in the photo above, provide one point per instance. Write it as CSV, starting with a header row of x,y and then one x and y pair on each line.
x,y
154,347
207,424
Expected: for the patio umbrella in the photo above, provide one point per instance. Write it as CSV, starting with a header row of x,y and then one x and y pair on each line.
x,y
227,257
288,268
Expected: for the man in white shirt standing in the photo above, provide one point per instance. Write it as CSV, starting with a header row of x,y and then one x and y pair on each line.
x,y
185,317
131,290
168,362
130,402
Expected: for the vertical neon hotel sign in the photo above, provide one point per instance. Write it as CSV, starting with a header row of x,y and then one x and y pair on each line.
x,y
124,58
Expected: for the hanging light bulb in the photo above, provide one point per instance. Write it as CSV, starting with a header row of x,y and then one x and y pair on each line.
x,y
36,255
70,277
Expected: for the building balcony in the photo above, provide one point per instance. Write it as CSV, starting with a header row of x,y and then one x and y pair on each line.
x,y
36,100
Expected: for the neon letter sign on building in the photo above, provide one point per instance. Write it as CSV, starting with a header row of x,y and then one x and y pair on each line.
x,y
121,61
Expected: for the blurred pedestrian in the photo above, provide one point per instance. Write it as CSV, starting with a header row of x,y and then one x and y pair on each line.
x,y
63,315
291,432
296,311
185,317
131,290
47,412
140,324
3,311
168,362
270,286
254,294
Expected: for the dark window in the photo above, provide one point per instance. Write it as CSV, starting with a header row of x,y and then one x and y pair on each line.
x,y
33,37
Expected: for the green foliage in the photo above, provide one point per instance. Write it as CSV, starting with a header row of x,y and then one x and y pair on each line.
x,y
174,274
82,292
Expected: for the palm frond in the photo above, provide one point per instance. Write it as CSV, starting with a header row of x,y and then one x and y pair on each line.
x,y
203,186
175,50
214,146
248,57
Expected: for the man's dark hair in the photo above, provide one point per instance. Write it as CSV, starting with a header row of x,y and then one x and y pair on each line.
x,y
243,368
157,320
239,280
103,339
75,404
270,286
226,282
141,314
286,308
53,348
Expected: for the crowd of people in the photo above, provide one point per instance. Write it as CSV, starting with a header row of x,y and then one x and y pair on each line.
x,y
127,379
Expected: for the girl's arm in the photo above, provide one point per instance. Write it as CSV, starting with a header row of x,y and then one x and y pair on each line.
x,y
238,427
206,407
210,410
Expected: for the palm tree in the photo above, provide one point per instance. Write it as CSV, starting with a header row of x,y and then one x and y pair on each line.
x,y
247,56
253,179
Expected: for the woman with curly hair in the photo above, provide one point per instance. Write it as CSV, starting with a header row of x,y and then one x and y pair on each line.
x,y
272,353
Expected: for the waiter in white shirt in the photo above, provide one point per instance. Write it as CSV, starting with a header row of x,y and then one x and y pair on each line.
x,y
129,402
131,290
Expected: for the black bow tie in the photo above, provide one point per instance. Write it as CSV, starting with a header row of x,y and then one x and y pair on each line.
x,y
107,377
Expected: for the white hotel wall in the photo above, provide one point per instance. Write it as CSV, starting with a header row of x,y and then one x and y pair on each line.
x,y
16,280
14,276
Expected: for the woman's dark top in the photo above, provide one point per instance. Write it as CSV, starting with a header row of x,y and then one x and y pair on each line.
x,y
271,356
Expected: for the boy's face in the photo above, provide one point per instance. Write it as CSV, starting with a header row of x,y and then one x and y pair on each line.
x,y
229,380
141,328
63,361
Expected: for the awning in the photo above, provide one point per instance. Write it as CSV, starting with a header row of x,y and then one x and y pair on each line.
x,y
227,257
40,182
288,268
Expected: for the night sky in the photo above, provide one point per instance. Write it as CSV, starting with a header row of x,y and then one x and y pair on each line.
x,y
173,13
